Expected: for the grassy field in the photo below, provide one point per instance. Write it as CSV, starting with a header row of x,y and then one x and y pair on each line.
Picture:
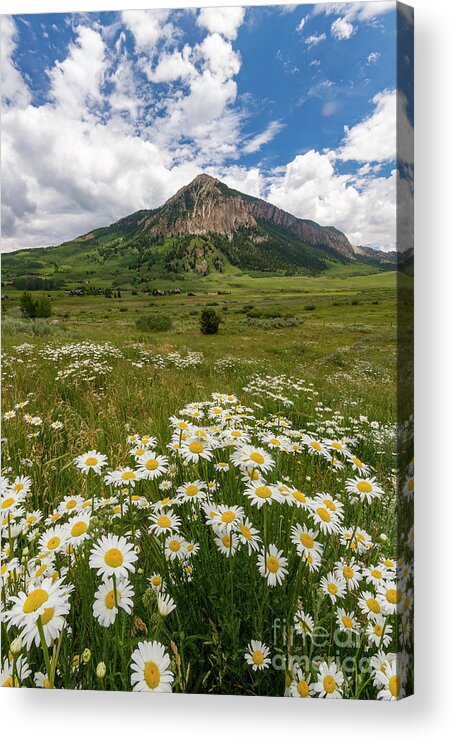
x,y
294,547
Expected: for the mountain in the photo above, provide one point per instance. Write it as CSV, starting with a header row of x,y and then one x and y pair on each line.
x,y
206,226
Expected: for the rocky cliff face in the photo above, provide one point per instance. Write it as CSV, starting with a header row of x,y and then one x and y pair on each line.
x,y
207,205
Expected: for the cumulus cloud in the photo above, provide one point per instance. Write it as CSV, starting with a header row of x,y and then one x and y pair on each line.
x,y
374,138
14,89
225,21
148,27
342,29
373,57
362,207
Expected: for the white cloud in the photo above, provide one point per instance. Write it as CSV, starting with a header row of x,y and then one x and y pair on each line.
x,y
315,39
342,29
373,57
362,207
225,21
148,28
374,138
359,11
301,24
265,137
76,81
14,89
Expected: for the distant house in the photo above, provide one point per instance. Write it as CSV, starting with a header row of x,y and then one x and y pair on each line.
x,y
76,292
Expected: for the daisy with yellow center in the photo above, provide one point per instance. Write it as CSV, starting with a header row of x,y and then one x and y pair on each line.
x,y
113,555
53,540
329,681
192,491
367,489
108,601
303,623
150,668
152,465
249,536
347,621
175,547
257,655
334,586
164,522
301,685
194,449
77,528
260,494
92,461
250,457
391,596
272,565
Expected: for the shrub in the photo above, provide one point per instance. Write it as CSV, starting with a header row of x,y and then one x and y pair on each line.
x,y
309,307
154,323
31,308
210,321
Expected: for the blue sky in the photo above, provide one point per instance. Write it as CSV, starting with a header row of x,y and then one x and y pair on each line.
x,y
107,113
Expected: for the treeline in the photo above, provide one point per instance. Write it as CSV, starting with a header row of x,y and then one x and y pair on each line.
x,y
35,283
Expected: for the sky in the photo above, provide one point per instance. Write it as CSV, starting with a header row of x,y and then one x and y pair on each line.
x,y
107,113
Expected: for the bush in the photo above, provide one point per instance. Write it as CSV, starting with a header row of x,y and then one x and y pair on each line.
x,y
309,307
32,308
154,323
210,321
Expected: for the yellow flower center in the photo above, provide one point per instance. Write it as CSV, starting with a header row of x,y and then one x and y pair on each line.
x,y
257,657
393,596
156,581
316,445
91,461
376,573
128,475
40,570
71,504
274,441
191,490
152,674
378,629
257,457
357,462
228,516
329,683
273,564
18,487
31,519
8,502
324,514
246,532
373,605
47,615
226,541
347,622
348,572
79,528
174,545
53,543
113,558
394,685
364,486
307,540
263,492
196,447
303,689
152,464
338,446
332,587
109,600
35,600
163,521
299,496
330,505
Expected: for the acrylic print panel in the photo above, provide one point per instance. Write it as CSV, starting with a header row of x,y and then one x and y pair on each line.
x,y
207,481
